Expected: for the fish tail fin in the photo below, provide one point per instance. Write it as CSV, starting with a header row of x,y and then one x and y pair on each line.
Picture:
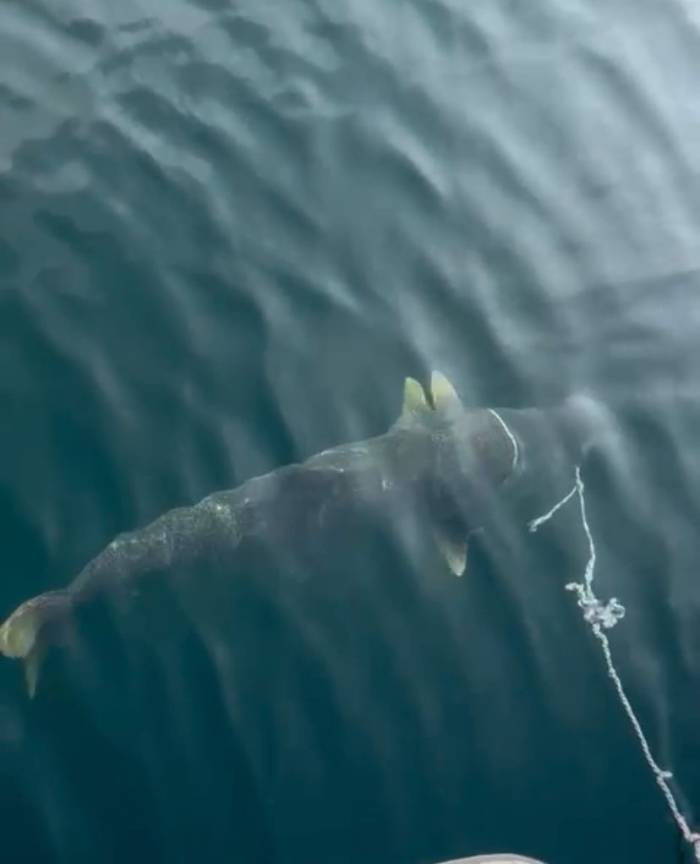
x,y
24,634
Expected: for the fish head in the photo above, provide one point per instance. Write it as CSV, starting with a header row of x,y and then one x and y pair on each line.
x,y
585,424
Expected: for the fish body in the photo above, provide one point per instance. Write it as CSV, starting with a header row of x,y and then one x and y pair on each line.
x,y
446,463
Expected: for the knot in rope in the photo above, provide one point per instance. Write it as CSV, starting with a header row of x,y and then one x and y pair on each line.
x,y
694,838
595,612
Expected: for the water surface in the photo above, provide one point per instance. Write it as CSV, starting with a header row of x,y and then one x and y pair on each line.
x,y
227,233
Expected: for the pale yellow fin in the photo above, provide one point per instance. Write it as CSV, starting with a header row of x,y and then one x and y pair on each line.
x,y
19,631
414,399
24,634
453,549
443,393
32,667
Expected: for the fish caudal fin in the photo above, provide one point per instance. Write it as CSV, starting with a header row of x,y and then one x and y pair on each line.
x,y
24,634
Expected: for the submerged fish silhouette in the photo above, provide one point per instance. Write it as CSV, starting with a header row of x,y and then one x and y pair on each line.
x,y
449,462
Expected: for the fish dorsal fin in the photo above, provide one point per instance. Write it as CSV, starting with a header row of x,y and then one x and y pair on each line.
x,y
444,395
414,400
453,548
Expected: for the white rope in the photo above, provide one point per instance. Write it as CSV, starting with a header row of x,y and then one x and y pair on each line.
x,y
513,440
603,617
535,524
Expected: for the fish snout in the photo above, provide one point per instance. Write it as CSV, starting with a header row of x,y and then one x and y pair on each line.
x,y
587,423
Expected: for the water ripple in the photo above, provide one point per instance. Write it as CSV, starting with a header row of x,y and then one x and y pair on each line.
x,y
226,236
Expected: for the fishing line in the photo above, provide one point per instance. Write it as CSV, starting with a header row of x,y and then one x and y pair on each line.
x,y
604,616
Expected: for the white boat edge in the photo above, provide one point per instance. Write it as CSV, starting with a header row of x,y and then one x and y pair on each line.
x,y
499,858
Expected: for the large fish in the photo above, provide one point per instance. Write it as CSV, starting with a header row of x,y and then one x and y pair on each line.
x,y
453,463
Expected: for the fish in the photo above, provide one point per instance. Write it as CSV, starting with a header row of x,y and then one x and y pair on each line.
x,y
452,464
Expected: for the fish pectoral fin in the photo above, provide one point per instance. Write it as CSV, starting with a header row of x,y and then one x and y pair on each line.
x,y
443,393
453,547
414,399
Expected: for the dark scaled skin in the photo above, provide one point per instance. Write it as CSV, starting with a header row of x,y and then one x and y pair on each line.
x,y
424,459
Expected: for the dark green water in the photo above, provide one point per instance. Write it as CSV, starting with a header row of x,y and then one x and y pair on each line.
x,y
227,233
